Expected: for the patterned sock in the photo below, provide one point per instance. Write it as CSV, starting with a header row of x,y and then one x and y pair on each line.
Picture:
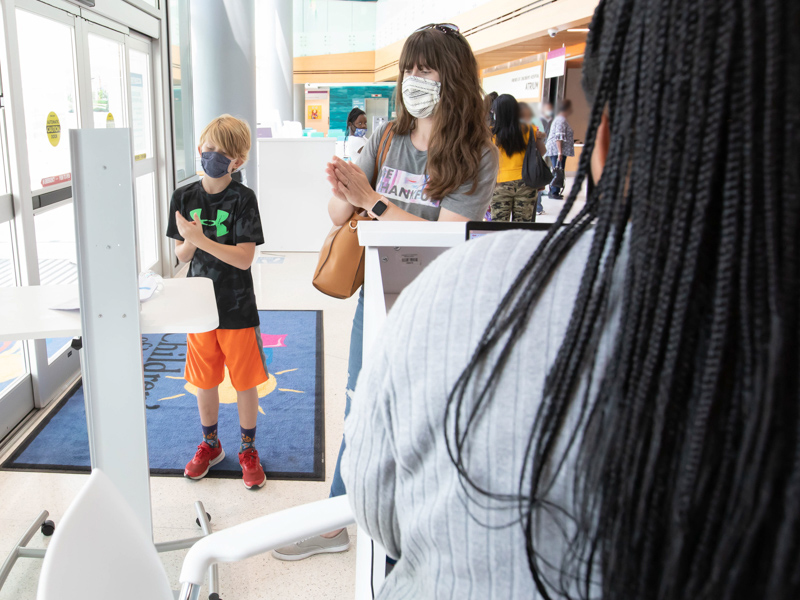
x,y
248,438
210,435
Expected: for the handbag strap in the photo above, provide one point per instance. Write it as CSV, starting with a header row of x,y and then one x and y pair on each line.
x,y
383,150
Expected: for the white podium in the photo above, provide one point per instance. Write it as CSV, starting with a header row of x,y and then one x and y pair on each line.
x,y
395,253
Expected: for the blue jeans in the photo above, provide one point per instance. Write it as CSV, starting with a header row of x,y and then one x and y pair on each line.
x,y
353,369
554,191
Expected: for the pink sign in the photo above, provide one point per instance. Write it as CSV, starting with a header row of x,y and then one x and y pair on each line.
x,y
556,63
56,179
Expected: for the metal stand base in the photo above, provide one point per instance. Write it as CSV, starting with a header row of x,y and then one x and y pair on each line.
x,y
22,551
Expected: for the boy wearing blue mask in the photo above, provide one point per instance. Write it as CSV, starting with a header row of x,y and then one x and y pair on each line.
x,y
217,226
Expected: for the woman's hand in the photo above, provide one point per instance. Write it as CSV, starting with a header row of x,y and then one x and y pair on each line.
x,y
330,173
191,231
350,183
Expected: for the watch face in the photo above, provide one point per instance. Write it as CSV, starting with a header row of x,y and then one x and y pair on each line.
x,y
379,208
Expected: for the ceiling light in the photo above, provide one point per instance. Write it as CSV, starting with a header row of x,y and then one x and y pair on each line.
x,y
578,30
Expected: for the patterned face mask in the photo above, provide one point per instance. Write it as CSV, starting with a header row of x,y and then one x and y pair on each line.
x,y
360,132
214,164
420,96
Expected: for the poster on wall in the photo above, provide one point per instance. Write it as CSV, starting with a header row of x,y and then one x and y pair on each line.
x,y
524,84
360,103
314,112
556,60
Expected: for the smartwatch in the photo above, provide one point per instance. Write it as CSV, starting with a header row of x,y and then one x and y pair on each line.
x,y
379,208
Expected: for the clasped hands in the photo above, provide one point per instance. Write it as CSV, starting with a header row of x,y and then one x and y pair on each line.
x,y
191,231
350,184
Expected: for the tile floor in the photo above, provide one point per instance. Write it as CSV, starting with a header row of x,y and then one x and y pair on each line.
x,y
278,286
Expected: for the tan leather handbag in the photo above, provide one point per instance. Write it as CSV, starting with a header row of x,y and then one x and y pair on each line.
x,y
340,270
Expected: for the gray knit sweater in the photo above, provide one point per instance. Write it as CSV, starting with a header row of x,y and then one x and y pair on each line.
x,y
402,485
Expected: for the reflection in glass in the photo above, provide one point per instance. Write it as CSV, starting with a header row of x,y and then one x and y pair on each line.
x,y
141,117
12,354
146,221
108,89
181,61
55,245
46,53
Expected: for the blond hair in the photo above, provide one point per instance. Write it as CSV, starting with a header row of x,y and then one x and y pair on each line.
x,y
230,135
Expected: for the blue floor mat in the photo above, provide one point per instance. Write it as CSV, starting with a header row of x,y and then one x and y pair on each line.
x,y
290,427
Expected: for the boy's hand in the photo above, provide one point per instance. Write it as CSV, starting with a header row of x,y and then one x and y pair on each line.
x,y
191,231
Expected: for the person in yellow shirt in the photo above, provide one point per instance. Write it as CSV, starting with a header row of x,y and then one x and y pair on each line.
x,y
512,199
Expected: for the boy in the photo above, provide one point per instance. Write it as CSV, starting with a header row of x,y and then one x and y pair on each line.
x,y
216,225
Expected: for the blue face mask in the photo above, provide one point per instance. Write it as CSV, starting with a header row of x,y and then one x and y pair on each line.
x,y
214,164
360,132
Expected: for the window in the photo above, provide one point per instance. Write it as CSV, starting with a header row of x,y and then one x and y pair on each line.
x,y
51,102
108,89
181,61
146,221
58,262
12,354
141,118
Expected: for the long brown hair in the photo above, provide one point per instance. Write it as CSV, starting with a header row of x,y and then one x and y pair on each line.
x,y
460,133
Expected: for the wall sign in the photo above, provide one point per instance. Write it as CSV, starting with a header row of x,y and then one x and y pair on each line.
x,y
53,129
314,112
524,84
556,62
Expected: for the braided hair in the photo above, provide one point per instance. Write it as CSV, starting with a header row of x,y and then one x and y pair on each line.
x,y
686,480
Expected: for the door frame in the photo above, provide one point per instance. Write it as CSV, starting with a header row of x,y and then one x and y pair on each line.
x,y
49,381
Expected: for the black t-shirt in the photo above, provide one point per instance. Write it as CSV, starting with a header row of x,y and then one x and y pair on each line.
x,y
230,217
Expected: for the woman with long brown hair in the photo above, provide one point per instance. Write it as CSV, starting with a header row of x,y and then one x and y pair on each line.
x,y
441,165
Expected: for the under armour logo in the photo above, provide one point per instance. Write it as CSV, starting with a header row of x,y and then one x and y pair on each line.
x,y
221,216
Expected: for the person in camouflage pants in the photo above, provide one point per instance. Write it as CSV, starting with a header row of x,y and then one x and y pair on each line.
x,y
514,201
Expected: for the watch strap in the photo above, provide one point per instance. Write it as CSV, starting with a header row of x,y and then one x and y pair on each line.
x,y
378,209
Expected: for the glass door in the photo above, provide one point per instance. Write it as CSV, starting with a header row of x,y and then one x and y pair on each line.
x,y
144,169
48,106
69,72
16,393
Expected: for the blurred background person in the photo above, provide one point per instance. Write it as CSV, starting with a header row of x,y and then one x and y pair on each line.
x,y
512,199
546,117
489,101
356,133
525,113
560,144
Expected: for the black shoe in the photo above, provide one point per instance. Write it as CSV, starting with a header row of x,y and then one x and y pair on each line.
x,y
556,197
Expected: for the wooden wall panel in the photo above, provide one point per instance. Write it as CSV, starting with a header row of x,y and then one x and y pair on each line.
x,y
499,32
352,67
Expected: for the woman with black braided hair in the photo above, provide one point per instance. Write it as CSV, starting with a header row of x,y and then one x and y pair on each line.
x,y
651,449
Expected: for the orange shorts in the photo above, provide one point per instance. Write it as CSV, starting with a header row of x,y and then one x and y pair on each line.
x,y
240,349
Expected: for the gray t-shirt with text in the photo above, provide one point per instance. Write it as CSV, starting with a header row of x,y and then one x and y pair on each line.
x,y
403,178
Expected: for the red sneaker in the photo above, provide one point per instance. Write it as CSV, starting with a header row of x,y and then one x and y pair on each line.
x,y
252,471
205,458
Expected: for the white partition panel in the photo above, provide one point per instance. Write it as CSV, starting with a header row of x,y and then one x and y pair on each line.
x,y
113,377
293,192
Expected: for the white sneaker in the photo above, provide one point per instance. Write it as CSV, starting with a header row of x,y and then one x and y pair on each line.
x,y
315,545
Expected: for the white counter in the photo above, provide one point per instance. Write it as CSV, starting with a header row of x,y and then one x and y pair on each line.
x,y
293,192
